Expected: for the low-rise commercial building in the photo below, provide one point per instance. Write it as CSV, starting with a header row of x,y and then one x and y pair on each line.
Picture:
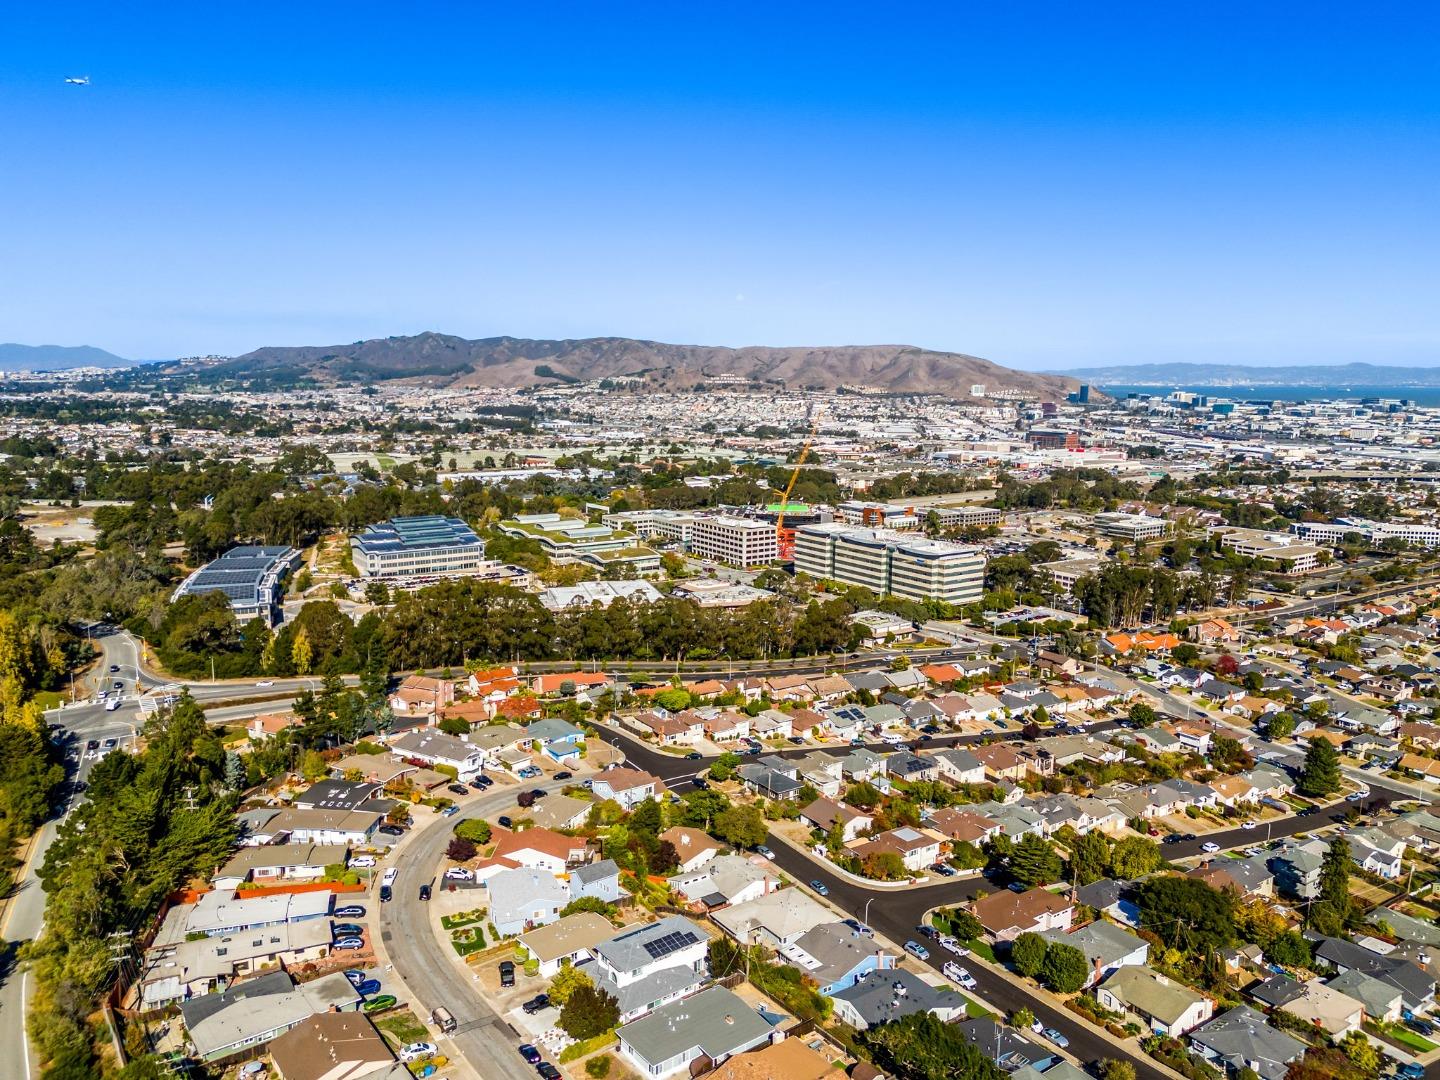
x,y
890,563
250,577
423,546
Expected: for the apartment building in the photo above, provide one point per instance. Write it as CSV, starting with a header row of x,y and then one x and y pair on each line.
x,y
890,562
741,542
424,546
1131,527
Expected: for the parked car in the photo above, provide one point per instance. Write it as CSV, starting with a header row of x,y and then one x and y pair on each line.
x,y
949,944
1247,825
459,873
1056,1038
504,822
417,1050
345,944
859,928
450,811
538,793
547,1071
347,929
356,976
1209,847
362,861
349,911
535,1004
1420,1027
699,782
563,775
380,1003
507,973
529,1053
458,789
927,932
391,830
385,894
819,886
694,755
368,987
114,668
914,948
763,850
943,870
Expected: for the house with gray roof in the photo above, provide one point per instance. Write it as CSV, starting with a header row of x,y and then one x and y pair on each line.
x,y
909,766
836,956
524,898
1381,1000
1297,868
644,967
959,765
249,1015
1106,947
862,764
726,879
598,879
1010,1050
769,782
716,1023
1416,985
1242,1039
1168,1007
882,996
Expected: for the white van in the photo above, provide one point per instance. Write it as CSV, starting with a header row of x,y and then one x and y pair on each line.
x,y
388,878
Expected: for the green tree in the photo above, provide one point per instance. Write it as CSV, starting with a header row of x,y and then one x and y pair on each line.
x,y
1186,913
723,767
965,926
301,654
1142,715
566,981
1289,949
922,1047
1117,1069
476,830
1022,1018
1361,1052
1321,774
589,1012
741,826
1333,909
1089,858
592,904
1027,953
1065,968
673,700
1035,862
1280,725
1134,857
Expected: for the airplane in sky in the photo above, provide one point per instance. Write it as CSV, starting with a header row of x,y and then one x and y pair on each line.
x,y
78,80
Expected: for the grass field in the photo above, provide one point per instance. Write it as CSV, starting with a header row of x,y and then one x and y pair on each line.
x,y
403,1027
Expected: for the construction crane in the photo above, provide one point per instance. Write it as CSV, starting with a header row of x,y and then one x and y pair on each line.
x,y
784,540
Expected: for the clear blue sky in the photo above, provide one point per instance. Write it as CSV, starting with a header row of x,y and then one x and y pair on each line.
x,y
1047,185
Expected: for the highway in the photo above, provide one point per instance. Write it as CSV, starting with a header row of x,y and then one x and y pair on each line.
x,y
427,965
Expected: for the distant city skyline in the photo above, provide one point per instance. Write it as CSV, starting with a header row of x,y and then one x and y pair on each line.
x,y
1048,188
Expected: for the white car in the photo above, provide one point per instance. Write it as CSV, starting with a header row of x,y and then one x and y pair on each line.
x,y
1209,847
417,1050
949,944
363,861
1247,825
459,873
389,876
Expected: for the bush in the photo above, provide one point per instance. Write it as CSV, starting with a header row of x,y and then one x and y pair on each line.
x,y
599,1067
476,830
1027,953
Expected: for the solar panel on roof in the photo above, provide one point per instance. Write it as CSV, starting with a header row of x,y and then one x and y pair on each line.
x,y
670,943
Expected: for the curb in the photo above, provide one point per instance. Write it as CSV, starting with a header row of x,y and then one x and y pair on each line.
x,y
871,883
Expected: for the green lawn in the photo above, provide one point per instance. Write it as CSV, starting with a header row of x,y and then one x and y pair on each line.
x,y
462,918
468,940
982,949
974,1010
404,1027
1409,1039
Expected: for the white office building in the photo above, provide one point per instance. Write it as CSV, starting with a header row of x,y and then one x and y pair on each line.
x,y
425,546
965,517
1131,526
888,562
734,541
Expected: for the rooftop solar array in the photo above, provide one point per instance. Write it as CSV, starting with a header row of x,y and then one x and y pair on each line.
x,y
426,531
670,943
238,573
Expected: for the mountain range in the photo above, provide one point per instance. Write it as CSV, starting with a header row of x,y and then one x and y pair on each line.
x,y
444,360
1321,376
15,357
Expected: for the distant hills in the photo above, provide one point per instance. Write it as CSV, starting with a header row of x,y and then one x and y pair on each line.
x,y
15,357
444,360
1339,376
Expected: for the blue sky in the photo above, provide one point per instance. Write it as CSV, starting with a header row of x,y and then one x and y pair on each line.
x,y
1046,185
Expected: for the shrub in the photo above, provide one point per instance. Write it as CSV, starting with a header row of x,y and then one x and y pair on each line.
x,y
599,1067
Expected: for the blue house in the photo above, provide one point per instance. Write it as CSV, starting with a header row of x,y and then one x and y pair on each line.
x,y
836,957
599,879
560,740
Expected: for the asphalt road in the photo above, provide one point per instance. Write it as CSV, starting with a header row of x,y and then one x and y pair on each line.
x,y
25,913
428,965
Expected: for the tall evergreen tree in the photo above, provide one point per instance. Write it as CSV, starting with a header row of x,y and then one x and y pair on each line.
x,y
1321,775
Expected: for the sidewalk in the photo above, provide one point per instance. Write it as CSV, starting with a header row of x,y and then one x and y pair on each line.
x,y
871,883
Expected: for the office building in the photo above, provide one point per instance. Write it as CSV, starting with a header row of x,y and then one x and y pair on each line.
x,y
427,546
1124,526
250,577
965,517
891,563
735,541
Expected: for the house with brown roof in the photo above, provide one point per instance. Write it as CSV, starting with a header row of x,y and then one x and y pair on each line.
x,y
825,813
420,695
581,680
917,848
1001,763
695,847
628,787
727,725
542,849
1211,631
963,826
828,688
809,723
1425,736
1424,766
334,1046
1006,915
788,688
679,729
267,724
941,674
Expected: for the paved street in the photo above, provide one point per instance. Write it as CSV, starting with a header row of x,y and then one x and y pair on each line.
x,y
427,965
